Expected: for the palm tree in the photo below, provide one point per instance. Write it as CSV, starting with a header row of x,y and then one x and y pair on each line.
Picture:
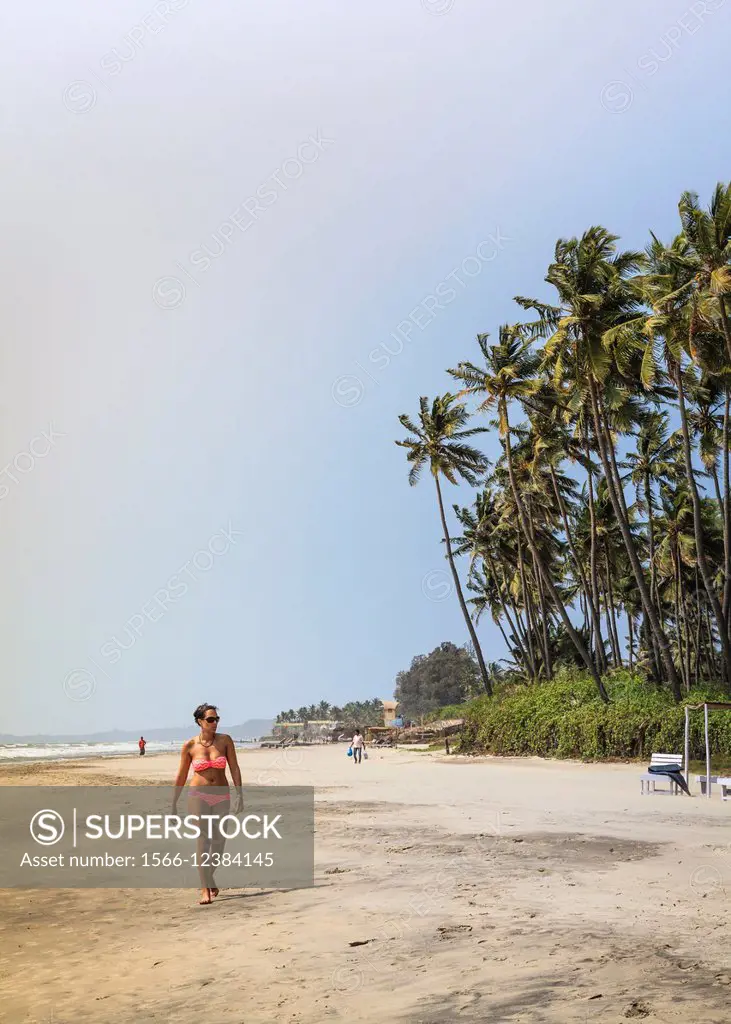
x,y
711,428
586,347
675,319
708,255
677,553
551,443
439,442
646,532
707,261
508,376
488,597
652,463
484,540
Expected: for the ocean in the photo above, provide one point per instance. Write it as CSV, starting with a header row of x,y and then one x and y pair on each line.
x,y
65,751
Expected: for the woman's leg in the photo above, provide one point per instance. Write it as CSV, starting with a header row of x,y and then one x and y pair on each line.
x,y
218,843
203,851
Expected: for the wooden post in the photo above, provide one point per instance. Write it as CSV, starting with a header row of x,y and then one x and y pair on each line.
x,y
708,752
446,743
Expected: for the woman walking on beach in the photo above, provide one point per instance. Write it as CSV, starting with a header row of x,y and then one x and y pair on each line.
x,y
208,753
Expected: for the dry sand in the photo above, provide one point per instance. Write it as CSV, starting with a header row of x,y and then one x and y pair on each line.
x,y
484,890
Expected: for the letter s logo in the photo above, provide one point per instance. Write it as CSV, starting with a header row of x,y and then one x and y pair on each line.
x,y
47,827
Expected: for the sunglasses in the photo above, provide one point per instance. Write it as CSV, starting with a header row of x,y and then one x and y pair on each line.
x,y
212,718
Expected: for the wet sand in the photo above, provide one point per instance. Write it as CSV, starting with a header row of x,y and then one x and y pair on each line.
x,y
481,890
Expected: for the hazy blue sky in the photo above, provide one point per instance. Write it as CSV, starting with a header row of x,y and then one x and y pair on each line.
x,y
195,295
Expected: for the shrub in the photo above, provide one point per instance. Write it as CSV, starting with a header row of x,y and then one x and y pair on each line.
x,y
566,718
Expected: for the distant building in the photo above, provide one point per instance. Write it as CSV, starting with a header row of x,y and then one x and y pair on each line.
x,y
390,713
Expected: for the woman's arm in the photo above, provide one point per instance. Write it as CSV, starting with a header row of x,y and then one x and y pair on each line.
x,y
183,769
233,763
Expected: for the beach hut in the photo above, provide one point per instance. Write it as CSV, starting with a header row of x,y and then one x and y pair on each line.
x,y
707,706
390,712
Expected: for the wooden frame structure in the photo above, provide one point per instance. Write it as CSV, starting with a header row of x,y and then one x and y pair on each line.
x,y
707,706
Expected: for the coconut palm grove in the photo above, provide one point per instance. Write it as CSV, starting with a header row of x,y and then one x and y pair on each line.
x,y
600,540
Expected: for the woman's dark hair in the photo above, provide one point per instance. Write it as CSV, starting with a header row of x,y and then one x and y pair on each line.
x,y
200,711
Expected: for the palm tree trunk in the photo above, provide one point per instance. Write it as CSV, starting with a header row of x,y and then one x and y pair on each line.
x,y
531,615
723,508
678,618
530,628
610,634
646,641
654,589
687,636
623,521
555,596
610,600
698,630
544,631
721,624
521,629
599,644
631,636
506,613
499,625
711,646
726,511
595,620
651,539
460,595
532,670
719,496
517,642
542,602
725,323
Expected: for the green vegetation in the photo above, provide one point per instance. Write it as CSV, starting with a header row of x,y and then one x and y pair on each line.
x,y
448,675
363,713
601,536
566,717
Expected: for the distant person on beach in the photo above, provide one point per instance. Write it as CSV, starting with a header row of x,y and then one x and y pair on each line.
x,y
141,745
357,744
207,754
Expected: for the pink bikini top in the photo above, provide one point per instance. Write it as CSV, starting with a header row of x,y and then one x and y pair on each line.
x,y
203,765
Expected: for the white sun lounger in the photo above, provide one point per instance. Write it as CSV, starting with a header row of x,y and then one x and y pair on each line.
x,y
716,780
724,783
701,780
650,779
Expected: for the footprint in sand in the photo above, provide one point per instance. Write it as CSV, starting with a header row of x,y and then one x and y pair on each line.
x,y
638,1008
451,931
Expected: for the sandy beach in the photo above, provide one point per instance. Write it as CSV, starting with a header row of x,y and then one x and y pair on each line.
x,y
482,890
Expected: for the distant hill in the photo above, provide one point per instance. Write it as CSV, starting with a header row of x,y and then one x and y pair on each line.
x,y
254,727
